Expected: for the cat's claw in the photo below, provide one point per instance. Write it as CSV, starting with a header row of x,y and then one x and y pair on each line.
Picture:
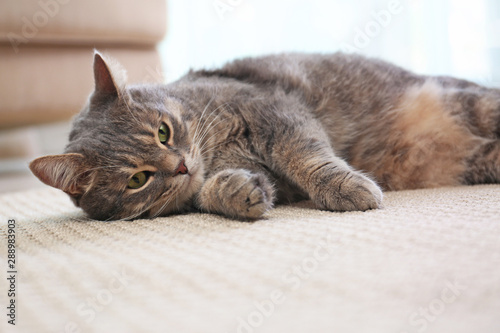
x,y
258,197
250,195
237,193
355,192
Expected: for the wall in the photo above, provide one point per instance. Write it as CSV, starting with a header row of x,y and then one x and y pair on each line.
x,y
433,37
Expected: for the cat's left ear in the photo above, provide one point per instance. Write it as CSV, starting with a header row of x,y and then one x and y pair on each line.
x,y
67,172
109,76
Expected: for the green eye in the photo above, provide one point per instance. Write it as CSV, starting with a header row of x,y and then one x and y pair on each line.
x,y
164,133
138,180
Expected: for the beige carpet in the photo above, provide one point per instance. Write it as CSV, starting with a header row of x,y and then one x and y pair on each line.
x,y
428,262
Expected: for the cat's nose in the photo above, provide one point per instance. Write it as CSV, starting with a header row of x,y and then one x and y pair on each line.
x,y
181,169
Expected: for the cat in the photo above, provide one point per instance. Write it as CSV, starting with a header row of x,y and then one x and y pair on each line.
x,y
335,129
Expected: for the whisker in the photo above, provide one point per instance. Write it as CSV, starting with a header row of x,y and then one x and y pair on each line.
x,y
173,196
131,113
203,154
201,116
142,211
207,142
87,219
204,118
161,208
210,127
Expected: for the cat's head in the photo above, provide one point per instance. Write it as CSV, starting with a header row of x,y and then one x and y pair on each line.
x,y
130,152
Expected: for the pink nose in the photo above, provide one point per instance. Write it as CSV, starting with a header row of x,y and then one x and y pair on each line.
x,y
181,169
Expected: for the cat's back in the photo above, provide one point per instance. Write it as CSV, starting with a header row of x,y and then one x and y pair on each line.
x,y
319,77
292,69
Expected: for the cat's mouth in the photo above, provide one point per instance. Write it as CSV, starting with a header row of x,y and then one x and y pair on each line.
x,y
192,183
191,174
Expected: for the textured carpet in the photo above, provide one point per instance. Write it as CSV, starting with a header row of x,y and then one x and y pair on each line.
x,y
429,261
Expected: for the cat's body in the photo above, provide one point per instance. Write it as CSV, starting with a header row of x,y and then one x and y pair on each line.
x,y
275,129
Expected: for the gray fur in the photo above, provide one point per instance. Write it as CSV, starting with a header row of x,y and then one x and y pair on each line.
x,y
275,129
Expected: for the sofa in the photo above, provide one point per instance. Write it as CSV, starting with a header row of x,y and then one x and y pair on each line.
x,y
46,54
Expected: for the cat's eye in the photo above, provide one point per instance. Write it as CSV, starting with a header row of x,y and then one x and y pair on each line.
x,y
138,180
164,133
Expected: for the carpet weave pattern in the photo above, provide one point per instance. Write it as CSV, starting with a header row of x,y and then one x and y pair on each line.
x,y
429,261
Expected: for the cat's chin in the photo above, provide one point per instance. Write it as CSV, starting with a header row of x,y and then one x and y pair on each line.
x,y
191,185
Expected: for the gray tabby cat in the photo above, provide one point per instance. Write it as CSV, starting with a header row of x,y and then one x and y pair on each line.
x,y
274,129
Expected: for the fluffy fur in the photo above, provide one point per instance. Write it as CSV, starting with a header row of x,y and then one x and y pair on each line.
x,y
274,129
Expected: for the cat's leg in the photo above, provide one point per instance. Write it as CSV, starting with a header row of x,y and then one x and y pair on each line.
x,y
478,108
236,193
483,166
309,162
479,111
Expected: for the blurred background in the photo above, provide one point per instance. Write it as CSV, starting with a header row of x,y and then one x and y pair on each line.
x,y
454,37
46,50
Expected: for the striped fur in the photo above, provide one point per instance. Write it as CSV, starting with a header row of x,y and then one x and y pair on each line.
x,y
259,131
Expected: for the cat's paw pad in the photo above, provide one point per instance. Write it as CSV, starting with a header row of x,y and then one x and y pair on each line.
x,y
237,193
353,192
249,195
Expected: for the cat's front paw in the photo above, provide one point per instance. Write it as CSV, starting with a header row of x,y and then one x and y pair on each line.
x,y
237,193
350,191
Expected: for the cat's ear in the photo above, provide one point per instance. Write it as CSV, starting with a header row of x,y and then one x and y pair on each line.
x,y
109,76
67,172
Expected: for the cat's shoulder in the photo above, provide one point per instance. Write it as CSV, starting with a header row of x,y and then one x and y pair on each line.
x,y
296,66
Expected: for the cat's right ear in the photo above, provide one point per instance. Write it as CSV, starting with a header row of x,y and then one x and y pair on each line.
x,y
109,77
67,172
